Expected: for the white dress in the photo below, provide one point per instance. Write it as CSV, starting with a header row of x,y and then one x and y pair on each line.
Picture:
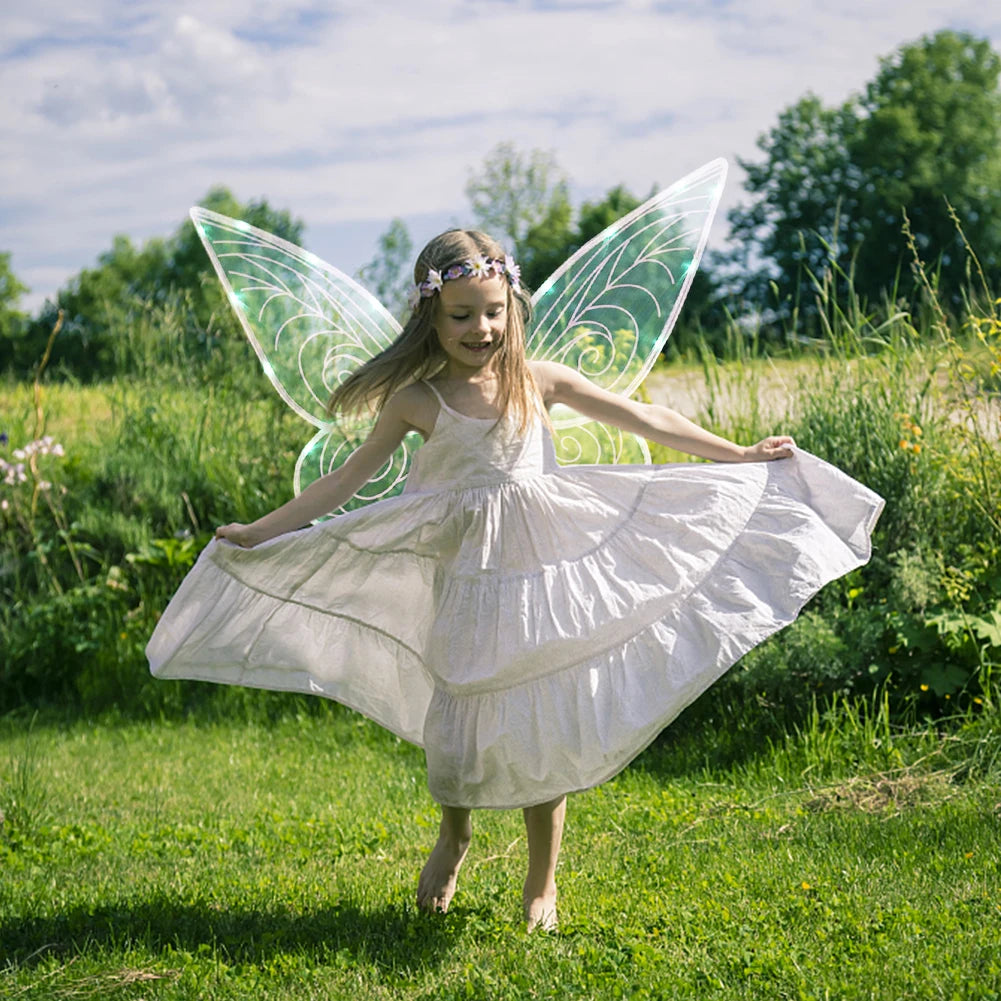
x,y
532,626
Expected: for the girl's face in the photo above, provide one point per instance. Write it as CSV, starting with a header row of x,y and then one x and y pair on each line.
x,y
470,318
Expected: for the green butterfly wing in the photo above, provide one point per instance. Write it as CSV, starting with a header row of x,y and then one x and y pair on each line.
x,y
608,311
310,325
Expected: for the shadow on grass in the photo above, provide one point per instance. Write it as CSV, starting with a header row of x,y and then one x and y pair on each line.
x,y
717,732
394,937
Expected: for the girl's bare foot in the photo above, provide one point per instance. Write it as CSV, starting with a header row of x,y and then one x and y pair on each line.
x,y
544,825
540,911
436,886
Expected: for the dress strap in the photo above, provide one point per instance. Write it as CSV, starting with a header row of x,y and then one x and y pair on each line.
x,y
438,396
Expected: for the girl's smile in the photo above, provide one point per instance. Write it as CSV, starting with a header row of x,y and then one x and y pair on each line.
x,y
470,320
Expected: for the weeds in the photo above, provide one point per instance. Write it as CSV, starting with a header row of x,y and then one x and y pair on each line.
x,y
898,395
24,798
280,863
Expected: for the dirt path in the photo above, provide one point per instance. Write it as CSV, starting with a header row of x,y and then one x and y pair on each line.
x,y
776,385
688,391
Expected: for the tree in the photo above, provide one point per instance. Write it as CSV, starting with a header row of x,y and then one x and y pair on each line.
x,y
805,191
187,267
930,131
558,237
11,290
835,181
102,304
547,245
516,194
389,275
558,232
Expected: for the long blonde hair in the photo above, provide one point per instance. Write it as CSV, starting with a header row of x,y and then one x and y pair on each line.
x,y
416,353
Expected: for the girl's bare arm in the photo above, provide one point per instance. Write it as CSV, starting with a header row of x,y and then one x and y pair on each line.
x,y
560,384
329,492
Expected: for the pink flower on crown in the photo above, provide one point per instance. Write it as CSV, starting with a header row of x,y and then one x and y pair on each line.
x,y
455,271
513,273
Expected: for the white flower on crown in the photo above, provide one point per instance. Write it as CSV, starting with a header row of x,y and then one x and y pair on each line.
x,y
479,266
433,282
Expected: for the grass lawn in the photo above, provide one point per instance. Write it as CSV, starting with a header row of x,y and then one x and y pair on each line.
x,y
220,860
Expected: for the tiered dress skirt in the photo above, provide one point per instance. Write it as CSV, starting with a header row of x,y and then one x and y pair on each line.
x,y
533,627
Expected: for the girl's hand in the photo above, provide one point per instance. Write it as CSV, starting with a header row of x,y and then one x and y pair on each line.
x,y
775,447
239,534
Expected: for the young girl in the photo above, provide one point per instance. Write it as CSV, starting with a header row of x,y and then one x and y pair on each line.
x,y
532,627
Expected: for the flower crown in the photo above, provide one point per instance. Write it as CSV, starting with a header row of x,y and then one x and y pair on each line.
x,y
479,266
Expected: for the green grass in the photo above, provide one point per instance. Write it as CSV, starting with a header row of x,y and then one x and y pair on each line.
x,y
241,860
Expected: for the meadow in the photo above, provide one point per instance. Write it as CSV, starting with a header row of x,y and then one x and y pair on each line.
x,y
234,858
824,823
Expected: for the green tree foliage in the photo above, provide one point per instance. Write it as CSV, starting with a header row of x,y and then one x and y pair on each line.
x,y
804,193
389,275
550,232
931,130
521,199
11,289
837,180
104,305
547,245
559,236
188,267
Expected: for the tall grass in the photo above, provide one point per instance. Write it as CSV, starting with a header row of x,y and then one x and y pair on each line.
x,y
900,396
905,399
102,523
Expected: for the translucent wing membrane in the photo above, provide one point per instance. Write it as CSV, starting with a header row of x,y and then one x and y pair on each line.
x,y
583,442
609,310
310,325
330,448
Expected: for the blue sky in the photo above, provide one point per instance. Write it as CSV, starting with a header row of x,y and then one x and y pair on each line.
x,y
119,116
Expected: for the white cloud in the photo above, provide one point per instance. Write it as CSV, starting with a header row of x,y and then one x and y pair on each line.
x,y
121,115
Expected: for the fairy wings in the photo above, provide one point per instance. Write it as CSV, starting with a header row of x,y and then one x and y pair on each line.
x,y
607,312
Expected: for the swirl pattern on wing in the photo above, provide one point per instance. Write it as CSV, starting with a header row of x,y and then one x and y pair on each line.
x,y
309,323
330,447
608,311
582,442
